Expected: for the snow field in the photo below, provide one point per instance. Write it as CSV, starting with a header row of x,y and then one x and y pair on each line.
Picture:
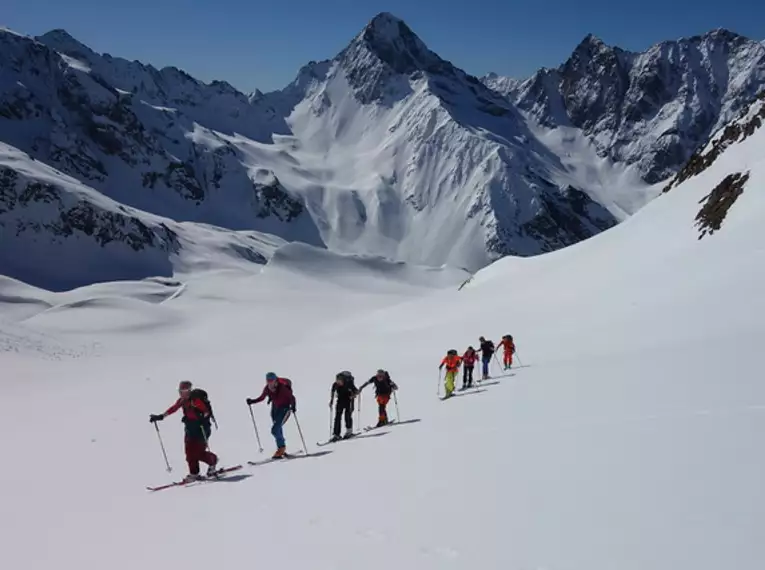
x,y
628,441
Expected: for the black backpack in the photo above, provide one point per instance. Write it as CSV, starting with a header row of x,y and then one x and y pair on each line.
x,y
202,395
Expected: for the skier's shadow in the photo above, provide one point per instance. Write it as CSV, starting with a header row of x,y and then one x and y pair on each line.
x,y
402,422
321,453
233,478
461,394
366,435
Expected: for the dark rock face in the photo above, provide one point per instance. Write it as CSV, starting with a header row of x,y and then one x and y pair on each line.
x,y
69,218
651,109
562,218
734,132
717,203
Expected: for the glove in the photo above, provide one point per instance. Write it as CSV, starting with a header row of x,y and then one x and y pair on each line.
x,y
250,401
156,418
293,407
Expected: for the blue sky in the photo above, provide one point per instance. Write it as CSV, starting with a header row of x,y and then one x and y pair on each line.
x,y
262,44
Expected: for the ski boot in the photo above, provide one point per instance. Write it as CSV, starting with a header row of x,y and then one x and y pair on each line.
x,y
348,433
212,471
335,437
191,477
281,452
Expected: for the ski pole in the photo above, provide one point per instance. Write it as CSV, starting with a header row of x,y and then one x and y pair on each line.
x,y
162,445
330,421
257,435
438,386
300,431
395,400
204,435
358,413
497,361
520,362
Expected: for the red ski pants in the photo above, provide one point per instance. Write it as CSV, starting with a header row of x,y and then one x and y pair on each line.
x,y
196,451
508,358
382,402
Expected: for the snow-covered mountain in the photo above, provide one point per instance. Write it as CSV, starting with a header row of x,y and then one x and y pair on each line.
x,y
58,233
652,109
386,149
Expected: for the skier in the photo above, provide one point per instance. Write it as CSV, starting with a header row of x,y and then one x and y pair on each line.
x,y
197,413
279,393
468,363
384,387
509,346
346,391
452,362
487,351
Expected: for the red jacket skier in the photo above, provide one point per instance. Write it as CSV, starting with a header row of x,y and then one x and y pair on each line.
x,y
279,393
196,419
468,364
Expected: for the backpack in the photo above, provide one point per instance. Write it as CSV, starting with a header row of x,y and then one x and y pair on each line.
x,y
202,395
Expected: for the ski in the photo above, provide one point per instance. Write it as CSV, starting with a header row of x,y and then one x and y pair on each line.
x,y
330,441
286,456
202,480
370,428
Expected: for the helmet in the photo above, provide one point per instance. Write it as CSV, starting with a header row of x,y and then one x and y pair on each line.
x,y
482,339
471,348
452,351
344,375
381,371
184,385
271,377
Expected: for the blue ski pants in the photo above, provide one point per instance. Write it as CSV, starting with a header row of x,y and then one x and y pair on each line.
x,y
279,416
485,361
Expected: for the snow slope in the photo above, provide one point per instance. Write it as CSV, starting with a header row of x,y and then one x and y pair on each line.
x,y
629,439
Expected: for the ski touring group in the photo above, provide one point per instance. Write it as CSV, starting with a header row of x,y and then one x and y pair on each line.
x,y
198,417
452,362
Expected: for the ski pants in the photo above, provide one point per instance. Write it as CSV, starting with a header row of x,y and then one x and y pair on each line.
x,y
343,408
196,451
449,381
485,361
382,403
279,416
467,375
508,358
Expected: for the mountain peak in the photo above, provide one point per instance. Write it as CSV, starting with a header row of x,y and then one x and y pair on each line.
x,y
591,44
394,43
62,41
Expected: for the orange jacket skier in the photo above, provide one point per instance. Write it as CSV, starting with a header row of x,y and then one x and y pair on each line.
x,y
509,346
452,362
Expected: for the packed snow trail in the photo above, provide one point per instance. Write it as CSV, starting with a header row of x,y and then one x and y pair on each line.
x,y
631,439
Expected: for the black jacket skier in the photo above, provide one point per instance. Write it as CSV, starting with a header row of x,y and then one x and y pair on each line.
x,y
487,351
384,387
346,391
